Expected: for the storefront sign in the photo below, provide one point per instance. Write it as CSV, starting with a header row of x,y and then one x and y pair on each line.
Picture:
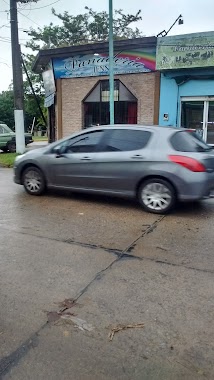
x,y
125,62
49,85
185,51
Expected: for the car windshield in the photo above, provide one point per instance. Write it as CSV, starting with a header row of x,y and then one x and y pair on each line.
x,y
188,141
4,128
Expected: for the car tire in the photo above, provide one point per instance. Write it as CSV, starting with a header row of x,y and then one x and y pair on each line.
x,y
5,149
33,181
11,146
157,196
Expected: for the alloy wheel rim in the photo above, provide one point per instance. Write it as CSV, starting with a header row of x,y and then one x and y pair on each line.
x,y
33,181
156,196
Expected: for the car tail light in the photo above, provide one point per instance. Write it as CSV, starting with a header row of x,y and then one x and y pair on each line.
x,y
188,163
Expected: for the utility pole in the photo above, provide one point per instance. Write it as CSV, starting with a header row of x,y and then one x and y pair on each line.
x,y
111,63
17,80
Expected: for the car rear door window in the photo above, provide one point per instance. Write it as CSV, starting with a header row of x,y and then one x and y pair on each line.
x,y
184,141
120,140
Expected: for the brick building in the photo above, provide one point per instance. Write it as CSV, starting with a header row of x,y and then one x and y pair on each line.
x,y
77,86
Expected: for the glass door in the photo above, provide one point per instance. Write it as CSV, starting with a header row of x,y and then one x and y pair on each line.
x,y
210,124
198,114
192,115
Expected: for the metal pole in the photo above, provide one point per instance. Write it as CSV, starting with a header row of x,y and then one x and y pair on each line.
x,y
17,80
111,63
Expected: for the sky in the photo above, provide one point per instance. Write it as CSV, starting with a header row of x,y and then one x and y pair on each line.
x,y
157,15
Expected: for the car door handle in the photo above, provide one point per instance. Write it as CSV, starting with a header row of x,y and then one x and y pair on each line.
x,y
86,158
137,156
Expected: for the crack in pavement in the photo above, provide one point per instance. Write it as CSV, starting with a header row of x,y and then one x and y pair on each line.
x,y
142,258
115,251
12,360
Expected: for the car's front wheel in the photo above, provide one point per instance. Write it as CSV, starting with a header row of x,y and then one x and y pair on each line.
x,y
33,181
157,196
11,147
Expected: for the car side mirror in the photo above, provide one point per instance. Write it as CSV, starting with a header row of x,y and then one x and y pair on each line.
x,y
59,152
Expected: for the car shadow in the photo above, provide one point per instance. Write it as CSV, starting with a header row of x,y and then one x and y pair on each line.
x,y
97,198
198,208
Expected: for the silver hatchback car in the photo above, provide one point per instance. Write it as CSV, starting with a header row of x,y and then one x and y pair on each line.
x,y
157,165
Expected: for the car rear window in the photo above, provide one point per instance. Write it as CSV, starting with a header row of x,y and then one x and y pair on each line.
x,y
185,141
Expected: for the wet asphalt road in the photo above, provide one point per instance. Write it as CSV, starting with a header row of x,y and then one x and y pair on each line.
x,y
122,266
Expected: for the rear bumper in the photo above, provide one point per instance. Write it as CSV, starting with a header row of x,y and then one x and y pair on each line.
x,y
28,140
203,188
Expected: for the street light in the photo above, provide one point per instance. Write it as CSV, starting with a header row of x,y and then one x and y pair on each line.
x,y
111,64
180,21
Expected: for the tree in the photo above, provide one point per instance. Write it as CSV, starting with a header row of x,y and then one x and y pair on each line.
x,y
6,108
31,110
88,27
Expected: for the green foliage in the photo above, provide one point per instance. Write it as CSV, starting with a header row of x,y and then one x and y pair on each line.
x,y
31,109
7,159
88,27
6,108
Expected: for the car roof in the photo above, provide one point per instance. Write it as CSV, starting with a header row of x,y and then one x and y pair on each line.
x,y
164,129
131,126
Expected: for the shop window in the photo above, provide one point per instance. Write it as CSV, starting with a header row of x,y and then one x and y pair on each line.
x,y
96,105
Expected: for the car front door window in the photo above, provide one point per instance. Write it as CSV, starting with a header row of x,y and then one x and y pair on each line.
x,y
86,143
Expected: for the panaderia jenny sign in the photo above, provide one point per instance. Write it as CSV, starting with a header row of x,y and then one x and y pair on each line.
x,y
185,51
125,62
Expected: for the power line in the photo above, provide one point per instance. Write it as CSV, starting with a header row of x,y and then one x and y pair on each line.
x,y
45,6
5,64
24,9
9,40
5,41
2,26
29,19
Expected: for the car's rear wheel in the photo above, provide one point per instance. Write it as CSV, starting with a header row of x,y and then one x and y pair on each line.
x,y
11,147
157,196
33,181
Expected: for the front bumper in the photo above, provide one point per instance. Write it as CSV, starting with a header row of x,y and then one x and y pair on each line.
x,y
17,175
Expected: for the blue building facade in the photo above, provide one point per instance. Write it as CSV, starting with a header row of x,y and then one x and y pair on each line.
x,y
187,82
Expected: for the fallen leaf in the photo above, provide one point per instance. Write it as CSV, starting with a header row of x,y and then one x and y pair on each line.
x,y
124,327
